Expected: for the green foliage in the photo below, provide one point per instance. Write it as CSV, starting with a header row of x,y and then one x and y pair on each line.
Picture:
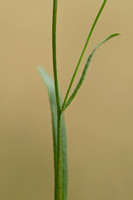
x,y
85,71
83,51
52,98
57,108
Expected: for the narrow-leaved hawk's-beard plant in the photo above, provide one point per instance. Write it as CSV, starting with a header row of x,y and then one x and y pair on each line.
x,y
58,107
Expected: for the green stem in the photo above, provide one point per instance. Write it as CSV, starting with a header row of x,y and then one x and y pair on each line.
x,y
58,175
54,53
83,51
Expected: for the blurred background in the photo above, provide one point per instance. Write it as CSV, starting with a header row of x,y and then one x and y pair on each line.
x,y
100,119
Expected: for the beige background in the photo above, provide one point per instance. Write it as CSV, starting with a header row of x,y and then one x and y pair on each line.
x,y
99,121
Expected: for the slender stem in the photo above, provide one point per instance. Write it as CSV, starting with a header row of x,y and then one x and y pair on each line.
x,y
58,182
54,53
83,51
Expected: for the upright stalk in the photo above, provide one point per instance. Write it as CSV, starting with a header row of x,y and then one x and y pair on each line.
x,y
58,182
54,53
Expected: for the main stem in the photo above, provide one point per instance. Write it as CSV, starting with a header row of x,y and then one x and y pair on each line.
x,y
54,54
58,182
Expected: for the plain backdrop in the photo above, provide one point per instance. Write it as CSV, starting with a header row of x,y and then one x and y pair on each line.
x,y
100,119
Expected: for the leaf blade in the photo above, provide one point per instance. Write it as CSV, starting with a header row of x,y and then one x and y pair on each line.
x,y
85,71
52,97
84,49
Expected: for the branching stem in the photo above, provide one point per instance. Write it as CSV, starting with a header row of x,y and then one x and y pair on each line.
x,y
58,180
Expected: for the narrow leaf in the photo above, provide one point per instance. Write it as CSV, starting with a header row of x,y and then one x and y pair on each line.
x,y
51,90
84,49
85,71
